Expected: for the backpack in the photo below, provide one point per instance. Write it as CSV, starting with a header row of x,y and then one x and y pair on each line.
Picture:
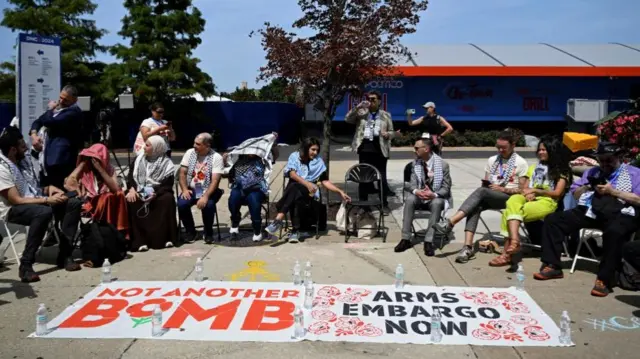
x,y
100,241
627,277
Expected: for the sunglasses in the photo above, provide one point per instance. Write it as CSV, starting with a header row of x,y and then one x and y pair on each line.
x,y
160,111
372,99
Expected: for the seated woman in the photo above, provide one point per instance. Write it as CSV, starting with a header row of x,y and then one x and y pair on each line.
x,y
248,186
504,176
152,205
305,170
544,187
95,181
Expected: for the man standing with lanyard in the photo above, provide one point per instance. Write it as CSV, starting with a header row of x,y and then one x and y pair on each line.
x,y
372,139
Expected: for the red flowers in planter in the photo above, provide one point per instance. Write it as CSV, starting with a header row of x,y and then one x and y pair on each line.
x,y
623,130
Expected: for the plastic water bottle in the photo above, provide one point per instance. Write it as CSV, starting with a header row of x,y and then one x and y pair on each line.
x,y
199,270
565,328
156,321
106,271
399,277
520,276
436,325
307,273
297,277
42,319
308,295
298,320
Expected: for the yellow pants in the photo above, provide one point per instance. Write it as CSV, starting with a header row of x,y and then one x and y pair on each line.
x,y
519,209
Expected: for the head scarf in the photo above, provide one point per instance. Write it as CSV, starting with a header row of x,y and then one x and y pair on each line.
x,y
87,177
153,169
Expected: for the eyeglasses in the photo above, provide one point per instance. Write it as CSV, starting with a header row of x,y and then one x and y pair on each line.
x,y
417,148
372,99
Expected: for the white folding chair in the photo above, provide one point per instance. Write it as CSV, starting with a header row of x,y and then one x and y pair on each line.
x,y
583,237
12,243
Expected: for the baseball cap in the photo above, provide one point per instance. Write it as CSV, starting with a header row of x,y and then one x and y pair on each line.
x,y
429,104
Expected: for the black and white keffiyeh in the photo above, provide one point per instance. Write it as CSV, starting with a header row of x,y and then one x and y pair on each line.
x,y
193,160
24,177
257,146
506,175
418,168
372,126
152,170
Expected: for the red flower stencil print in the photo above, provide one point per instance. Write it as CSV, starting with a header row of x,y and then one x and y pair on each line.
x,y
350,298
485,334
500,326
328,291
324,315
369,331
535,332
523,320
358,291
486,301
504,296
517,307
319,328
348,323
323,302
473,295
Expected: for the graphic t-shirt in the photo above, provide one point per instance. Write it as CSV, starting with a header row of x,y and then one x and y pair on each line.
x,y
151,123
521,168
201,168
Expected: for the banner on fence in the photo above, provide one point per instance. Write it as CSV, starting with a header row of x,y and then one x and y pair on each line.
x,y
240,311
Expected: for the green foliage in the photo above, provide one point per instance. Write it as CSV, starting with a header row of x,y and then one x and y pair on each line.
x,y
278,90
158,65
7,82
457,139
242,95
64,19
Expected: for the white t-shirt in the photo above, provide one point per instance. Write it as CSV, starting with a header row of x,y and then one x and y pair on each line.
x,y
151,123
6,182
521,170
201,166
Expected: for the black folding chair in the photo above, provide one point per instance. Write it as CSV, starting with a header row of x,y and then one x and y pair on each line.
x,y
363,173
216,218
313,206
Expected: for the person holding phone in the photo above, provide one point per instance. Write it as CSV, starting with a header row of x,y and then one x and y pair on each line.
x,y
431,123
506,175
608,199
154,125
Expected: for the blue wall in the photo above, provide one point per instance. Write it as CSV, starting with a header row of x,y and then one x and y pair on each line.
x,y
493,98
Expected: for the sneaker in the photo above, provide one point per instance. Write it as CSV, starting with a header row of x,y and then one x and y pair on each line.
x,y
429,251
27,274
599,289
143,249
168,245
274,227
190,237
548,272
257,237
443,228
208,239
294,237
465,254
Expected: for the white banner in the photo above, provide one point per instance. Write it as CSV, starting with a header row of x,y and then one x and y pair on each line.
x,y
253,311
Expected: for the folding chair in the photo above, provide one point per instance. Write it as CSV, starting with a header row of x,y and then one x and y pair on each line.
x,y
216,218
583,237
422,211
363,173
314,206
12,241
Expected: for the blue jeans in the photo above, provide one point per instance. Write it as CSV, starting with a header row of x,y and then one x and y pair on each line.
x,y
253,200
208,212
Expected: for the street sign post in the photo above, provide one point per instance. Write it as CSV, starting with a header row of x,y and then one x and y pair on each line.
x,y
39,77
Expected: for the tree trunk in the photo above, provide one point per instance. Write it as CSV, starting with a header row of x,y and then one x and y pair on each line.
x,y
326,149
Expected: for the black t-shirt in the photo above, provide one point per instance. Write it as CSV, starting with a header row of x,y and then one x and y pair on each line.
x,y
370,146
432,125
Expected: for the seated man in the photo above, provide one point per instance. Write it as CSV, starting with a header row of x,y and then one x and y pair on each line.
x,y
22,202
200,171
430,188
505,175
608,199
251,163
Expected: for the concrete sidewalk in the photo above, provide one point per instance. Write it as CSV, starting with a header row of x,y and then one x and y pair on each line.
x,y
603,328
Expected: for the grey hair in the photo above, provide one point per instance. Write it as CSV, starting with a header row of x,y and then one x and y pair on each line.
x,y
70,90
206,138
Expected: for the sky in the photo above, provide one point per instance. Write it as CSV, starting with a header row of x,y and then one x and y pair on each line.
x,y
229,56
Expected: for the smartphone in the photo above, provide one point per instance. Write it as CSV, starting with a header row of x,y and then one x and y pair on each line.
x,y
411,111
71,194
169,124
595,181
486,183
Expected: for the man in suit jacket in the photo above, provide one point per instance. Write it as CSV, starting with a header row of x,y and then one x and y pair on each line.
x,y
429,189
60,140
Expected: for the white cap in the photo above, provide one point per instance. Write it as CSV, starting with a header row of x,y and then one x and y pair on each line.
x,y
429,104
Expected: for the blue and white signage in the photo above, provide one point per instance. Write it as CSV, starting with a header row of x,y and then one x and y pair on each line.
x,y
38,80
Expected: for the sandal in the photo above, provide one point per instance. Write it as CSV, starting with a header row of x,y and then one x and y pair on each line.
x,y
500,261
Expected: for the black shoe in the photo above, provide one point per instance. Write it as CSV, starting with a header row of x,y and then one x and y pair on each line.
x,y
429,251
189,237
403,246
27,274
208,239
68,264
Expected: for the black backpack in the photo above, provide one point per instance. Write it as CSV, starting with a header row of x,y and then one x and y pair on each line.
x,y
628,277
100,241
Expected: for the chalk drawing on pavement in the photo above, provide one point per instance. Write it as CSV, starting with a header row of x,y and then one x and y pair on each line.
x,y
255,272
614,323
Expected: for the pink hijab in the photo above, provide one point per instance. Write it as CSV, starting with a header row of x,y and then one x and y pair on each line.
x,y
87,178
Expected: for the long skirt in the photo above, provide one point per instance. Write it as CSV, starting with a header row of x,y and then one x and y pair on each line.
x,y
155,224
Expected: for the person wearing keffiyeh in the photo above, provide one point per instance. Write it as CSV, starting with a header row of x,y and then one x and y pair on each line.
x,y
201,169
505,175
430,189
151,202
608,199
545,185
